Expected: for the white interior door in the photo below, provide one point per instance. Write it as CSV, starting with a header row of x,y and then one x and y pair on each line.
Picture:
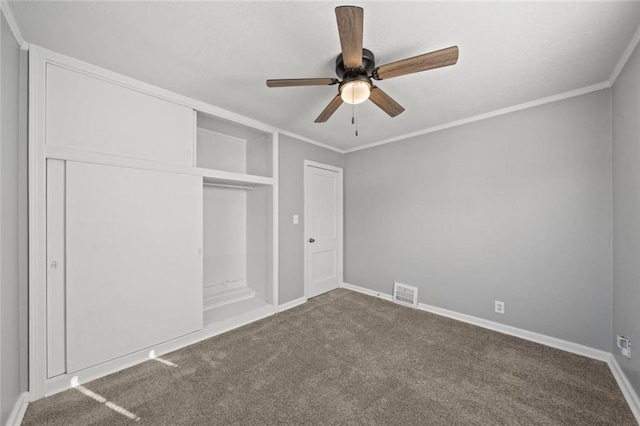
x,y
134,265
323,228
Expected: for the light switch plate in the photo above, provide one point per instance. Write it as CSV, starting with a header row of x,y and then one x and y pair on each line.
x,y
295,219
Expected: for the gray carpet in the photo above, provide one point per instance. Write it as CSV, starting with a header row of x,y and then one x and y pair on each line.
x,y
347,358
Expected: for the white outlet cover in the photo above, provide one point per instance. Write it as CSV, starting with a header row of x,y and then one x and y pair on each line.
x,y
625,346
499,307
295,219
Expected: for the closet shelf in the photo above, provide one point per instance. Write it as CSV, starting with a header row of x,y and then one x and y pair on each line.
x,y
232,178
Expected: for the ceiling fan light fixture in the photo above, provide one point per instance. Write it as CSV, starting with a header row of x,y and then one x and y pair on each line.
x,y
355,91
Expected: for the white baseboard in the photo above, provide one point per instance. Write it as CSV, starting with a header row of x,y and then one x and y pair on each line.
x,y
564,345
543,339
292,304
19,408
627,390
366,291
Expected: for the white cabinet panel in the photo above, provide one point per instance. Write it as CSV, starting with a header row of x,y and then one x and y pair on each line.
x,y
84,112
134,268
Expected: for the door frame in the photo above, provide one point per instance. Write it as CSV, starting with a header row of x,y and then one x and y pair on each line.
x,y
340,219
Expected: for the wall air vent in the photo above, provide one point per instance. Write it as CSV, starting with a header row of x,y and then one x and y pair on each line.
x,y
405,295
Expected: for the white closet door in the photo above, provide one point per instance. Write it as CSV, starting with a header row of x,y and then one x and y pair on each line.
x,y
56,327
134,268
91,114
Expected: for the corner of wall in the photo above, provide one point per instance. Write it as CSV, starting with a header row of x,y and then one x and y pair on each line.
x,y
625,57
17,34
625,142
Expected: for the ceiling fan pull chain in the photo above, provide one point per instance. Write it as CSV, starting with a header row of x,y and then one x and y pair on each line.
x,y
356,127
353,114
353,110
355,119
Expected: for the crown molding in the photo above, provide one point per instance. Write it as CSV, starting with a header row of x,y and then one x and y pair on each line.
x,y
625,57
4,5
479,117
311,141
633,43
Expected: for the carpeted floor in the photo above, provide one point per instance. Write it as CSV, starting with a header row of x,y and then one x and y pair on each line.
x,y
347,358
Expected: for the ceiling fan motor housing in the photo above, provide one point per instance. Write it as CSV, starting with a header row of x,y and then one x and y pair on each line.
x,y
368,64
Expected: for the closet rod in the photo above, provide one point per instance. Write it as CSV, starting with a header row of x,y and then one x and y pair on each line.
x,y
228,185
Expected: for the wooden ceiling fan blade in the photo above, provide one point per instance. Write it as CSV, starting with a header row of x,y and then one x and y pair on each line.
x,y
330,109
385,102
350,28
290,82
428,61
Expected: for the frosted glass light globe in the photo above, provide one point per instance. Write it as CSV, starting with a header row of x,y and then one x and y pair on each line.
x,y
355,92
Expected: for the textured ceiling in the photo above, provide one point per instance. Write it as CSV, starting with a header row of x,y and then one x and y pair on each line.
x,y
222,53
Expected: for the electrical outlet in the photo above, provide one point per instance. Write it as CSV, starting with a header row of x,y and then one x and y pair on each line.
x,y
625,346
295,219
499,307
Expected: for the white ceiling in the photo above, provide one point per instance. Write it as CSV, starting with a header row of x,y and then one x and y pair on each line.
x,y
222,53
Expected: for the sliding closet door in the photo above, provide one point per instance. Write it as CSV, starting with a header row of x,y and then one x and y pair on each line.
x,y
134,266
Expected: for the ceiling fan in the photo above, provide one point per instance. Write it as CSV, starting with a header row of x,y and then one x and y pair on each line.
x,y
356,68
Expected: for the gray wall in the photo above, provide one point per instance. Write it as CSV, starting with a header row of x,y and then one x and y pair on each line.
x,y
292,153
11,223
515,208
626,215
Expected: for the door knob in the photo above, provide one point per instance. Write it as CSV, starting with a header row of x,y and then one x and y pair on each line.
x,y
311,240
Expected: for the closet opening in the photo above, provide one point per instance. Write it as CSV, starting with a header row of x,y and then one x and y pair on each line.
x,y
237,219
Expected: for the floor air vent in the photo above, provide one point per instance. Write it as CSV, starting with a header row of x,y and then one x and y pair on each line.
x,y
405,294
